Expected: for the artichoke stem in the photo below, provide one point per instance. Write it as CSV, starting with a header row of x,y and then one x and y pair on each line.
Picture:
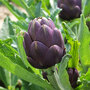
x,y
54,78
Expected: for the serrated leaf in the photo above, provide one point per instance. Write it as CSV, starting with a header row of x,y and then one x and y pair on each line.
x,y
7,78
63,63
85,81
35,87
69,33
18,14
86,9
21,50
53,3
22,73
17,2
32,11
29,2
7,29
8,41
11,53
63,75
3,76
22,24
55,13
28,86
44,6
38,9
29,9
23,55
88,75
1,88
74,52
84,38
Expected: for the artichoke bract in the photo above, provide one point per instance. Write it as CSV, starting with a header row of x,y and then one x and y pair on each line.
x,y
43,43
70,9
73,76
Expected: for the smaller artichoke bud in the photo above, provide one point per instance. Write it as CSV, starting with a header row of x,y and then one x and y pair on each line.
x,y
70,9
44,74
73,76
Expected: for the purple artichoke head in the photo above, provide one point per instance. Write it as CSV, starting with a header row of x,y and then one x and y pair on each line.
x,y
73,76
43,43
70,9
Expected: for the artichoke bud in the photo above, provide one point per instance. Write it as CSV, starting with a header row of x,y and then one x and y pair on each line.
x,y
73,77
43,43
44,74
70,9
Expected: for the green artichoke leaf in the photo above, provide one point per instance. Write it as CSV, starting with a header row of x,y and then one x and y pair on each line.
x,y
63,75
7,29
38,10
74,52
7,78
1,88
22,73
23,55
86,7
44,4
84,38
11,53
85,81
3,76
17,13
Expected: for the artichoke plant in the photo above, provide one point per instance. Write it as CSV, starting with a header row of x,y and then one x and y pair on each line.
x,y
73,76
43,43
70,9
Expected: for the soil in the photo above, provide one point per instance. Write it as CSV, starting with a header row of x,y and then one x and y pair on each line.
x,y
5,12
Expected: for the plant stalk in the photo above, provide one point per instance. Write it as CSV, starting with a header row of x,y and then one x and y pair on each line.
x,y
54,78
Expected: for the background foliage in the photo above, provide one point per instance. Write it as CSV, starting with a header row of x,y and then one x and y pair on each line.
x,y
14,67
